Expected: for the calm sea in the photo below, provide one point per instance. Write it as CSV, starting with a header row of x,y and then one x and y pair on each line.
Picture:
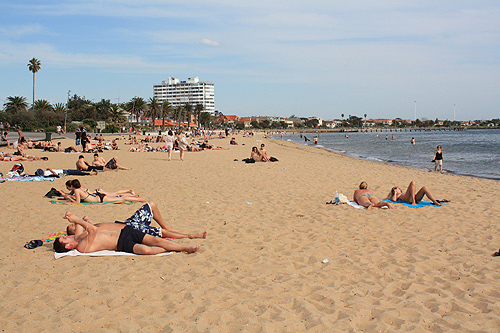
x,y
471,152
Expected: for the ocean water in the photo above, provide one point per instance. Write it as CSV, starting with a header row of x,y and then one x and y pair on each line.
x,y
471,152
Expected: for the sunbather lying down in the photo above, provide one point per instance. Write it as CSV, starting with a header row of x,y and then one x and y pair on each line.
x,y
364,197
90,238
141,221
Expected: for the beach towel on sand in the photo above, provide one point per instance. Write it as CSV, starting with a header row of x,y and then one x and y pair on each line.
x,y
69,202
28,179
74,253
355,205
421,204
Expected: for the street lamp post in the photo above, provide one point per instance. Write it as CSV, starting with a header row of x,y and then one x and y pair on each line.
x,y
415,110
66,112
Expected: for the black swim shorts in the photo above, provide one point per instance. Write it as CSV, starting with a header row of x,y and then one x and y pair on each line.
x,y
128,238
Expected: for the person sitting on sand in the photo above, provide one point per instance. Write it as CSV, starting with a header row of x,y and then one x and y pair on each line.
x,y
365,198
89,238
4,138
263,152
83,165
98,161
233,141
114,145
141,220
79,194
411,196
255,154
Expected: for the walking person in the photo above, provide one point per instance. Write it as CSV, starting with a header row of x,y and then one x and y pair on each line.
x,y
169,143
438,159
182,143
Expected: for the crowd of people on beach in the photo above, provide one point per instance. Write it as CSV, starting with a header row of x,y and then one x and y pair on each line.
x,y
136,235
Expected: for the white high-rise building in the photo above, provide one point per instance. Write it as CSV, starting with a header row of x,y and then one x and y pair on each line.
x,y
192,91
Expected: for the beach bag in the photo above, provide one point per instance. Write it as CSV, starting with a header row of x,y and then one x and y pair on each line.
x,y
273,159
249,160
18,167
53,193
111,164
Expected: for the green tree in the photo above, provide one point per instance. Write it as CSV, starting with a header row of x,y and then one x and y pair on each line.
x,y
255,124
178,114
205,119
137,107
34,66
166,111
198,109
102,110
15,104
154,109
188,108
116,114
312,122
77,107
44,113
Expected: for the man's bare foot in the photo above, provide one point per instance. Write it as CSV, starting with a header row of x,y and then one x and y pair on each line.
x,y
202,235
192,249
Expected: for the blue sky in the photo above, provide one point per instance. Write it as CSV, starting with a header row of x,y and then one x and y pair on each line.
x,y
322,58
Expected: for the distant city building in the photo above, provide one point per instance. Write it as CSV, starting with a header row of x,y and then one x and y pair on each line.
x,y
192,91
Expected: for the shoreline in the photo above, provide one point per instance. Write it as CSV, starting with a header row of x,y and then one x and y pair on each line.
x,y
357,155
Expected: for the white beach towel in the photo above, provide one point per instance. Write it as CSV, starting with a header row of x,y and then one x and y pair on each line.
x,y
74,253
355,205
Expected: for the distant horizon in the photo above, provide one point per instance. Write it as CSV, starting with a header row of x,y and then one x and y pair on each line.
x,y
322,58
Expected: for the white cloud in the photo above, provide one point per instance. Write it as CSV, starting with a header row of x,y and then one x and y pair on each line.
x,y
208,42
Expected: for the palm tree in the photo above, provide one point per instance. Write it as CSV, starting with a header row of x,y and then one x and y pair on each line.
x,y
116,114
342,115
179,111
154,109
166,111
15,104
34,66
44,112
136,107
365,121
198,109
189,111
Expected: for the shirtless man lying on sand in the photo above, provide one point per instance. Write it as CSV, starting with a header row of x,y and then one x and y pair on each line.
x,y
90,238
141,221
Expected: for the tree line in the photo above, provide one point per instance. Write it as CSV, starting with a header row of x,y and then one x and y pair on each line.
x,y
43,115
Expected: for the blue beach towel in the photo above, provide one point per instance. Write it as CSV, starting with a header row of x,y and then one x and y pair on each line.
x,y
422,203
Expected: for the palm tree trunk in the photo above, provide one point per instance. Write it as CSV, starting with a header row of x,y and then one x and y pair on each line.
x,y
33,105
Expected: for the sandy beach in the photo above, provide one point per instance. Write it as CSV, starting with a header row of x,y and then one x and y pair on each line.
x,y
261,267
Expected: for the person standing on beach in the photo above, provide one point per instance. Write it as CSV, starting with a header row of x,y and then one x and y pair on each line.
x,y
169,143
438,159
182,143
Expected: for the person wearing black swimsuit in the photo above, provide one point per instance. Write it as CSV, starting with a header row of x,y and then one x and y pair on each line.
x,y
438,159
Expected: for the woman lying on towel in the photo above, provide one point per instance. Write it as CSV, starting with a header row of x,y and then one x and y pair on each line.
x,y
79,194
365,198
411,195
